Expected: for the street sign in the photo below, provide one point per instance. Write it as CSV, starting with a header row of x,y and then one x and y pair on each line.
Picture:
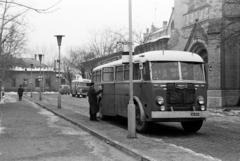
x,y
120,46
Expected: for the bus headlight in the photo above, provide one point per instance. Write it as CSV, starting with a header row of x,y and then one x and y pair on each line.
x,y
162,108
200,100
160,100
202,107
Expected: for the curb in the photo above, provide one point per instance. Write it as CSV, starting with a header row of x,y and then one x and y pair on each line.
x,y
108,141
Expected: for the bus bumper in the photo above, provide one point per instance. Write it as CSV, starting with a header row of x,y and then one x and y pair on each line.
x,y
180,114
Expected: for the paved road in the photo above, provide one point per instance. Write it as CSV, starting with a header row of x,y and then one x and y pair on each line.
x,y
218,139
30,133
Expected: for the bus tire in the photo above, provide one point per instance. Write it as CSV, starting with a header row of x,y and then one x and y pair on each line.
x,y
141,125
192,126
100,114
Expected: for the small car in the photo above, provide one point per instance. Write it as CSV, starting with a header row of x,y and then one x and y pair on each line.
x,y
65,89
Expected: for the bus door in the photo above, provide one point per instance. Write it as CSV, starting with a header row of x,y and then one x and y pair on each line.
x,y
146,90
108,92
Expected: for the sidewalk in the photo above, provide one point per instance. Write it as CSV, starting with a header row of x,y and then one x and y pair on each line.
x,y
142,148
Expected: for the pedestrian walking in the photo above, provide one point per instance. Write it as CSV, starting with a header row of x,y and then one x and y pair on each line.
x,y
20,92
92,99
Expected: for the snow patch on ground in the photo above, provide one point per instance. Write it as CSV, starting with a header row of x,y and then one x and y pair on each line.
x,y
8,97
208,157
1,130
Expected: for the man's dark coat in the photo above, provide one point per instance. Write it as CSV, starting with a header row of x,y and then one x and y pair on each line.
x,y
20,91
92,99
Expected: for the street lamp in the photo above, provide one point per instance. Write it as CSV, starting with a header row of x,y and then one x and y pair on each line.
x,y
31,79
131,106
59,41
40,77
43,76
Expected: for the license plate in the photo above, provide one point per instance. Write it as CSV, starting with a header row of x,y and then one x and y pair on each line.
x,y
194,114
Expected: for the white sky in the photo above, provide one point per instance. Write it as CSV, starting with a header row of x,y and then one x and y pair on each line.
x,y
77,18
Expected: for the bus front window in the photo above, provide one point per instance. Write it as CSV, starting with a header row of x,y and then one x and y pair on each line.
x,y
165,71
192,71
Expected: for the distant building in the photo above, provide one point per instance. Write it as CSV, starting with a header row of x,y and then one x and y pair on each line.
x,y
21,75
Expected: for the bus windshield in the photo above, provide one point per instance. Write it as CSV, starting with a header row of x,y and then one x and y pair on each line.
x,y
170,71
192,71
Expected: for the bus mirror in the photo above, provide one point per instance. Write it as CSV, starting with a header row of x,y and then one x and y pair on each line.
x,y
140,66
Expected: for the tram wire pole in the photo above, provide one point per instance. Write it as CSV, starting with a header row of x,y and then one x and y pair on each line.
x,y
131,106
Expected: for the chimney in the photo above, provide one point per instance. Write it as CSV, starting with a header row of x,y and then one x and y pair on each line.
x,y
147,30
164,25
35,56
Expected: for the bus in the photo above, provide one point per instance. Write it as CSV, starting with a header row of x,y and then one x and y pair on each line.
x,y
168,86
80,87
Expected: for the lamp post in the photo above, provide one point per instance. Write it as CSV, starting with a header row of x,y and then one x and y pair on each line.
x,y
0,89
43,76
131,106
59,41
40,77
31,79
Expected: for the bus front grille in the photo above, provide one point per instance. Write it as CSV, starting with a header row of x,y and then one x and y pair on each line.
x,y
180,97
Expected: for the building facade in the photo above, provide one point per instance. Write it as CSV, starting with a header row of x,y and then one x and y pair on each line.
x,y
205,27
29,78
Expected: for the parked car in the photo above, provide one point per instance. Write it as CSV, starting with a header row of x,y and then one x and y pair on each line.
x,y
65,89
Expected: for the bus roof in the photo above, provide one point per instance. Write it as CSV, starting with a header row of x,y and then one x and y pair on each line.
x,y
166,55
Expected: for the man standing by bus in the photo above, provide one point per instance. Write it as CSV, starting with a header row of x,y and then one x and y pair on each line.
x,y
92,99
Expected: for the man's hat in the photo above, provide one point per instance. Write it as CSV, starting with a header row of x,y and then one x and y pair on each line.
x,y
91,84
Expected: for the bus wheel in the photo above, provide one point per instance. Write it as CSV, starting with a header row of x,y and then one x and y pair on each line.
x,y
192,126
100,114
141,126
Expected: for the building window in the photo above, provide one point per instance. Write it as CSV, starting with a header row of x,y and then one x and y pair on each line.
x,y
47,82
63,81
13,82
25,82
37,82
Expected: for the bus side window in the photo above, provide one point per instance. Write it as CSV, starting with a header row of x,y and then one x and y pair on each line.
x,y
94,77
136,72
108,74
126,72
146,71
119,73
98,76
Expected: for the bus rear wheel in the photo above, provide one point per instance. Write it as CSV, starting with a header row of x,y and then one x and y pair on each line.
x,y
141,126
192,126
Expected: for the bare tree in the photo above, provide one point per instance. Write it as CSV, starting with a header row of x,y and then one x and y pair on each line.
x,y
104,42
76,58
68,73
49,80
12,33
